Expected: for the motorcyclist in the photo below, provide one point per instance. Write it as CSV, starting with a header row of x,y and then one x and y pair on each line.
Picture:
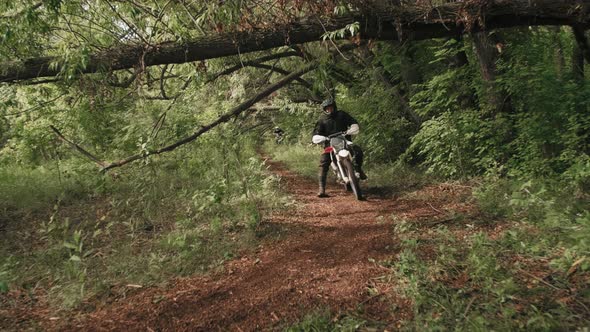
x,y
331,122
278,134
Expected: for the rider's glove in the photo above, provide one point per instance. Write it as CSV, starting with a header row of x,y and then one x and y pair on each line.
x,y
353,130
317,139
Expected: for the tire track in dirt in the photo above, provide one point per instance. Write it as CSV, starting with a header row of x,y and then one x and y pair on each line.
x,y
326,262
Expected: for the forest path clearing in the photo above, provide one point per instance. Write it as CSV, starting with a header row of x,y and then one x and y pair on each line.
x,y
325,260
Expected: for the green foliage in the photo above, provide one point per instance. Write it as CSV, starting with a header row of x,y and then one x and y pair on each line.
x,y
321,321
396,178
544,135
349,30
6,266
384,133
446,144
23,188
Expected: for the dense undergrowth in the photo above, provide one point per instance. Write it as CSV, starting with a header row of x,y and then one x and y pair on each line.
x,y
526,270
77,234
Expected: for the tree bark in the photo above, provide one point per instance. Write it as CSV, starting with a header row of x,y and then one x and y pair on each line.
x,y
583,45
391,21
578,64
468,99
487,54
409,70
393,85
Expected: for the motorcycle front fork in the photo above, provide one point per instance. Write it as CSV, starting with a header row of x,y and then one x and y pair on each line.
x,y
337,168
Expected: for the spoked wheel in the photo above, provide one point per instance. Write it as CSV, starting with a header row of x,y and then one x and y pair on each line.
x,y
354,181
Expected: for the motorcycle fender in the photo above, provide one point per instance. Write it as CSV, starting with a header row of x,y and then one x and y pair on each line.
x,y
343,153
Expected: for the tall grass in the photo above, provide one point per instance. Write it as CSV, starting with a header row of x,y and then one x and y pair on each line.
x,y
25,188
301,158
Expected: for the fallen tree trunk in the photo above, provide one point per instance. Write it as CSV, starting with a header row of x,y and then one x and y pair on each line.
x,y
224,118
390,21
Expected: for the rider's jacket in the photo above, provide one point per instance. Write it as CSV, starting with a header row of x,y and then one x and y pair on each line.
x,y
336,122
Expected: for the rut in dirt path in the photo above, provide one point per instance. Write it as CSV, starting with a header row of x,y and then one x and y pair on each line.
x,y
326,262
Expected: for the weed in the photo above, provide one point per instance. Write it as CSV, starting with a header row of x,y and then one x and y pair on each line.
x,y
320,321
7,264
493,197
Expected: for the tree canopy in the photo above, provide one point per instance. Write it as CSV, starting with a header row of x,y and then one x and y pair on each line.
x,y
145,35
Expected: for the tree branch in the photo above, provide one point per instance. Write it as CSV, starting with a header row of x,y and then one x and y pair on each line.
x,y
126,83
77,147
162,88
281,71
236,111
243,64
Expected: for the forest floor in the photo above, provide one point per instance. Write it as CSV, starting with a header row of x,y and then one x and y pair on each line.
x,y
328,260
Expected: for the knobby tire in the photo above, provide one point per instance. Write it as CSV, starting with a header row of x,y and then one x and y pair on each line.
x,y
354,181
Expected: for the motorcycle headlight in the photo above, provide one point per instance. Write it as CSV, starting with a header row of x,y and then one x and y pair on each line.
x,y
343,153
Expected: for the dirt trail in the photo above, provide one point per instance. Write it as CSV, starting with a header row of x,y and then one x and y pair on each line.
x,y
326,261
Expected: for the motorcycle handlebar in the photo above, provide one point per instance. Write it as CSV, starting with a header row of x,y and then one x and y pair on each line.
x,y
337,134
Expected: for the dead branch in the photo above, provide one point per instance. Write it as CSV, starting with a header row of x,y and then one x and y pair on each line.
x,y
77,147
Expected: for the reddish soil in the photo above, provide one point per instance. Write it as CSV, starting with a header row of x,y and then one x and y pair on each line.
x,y
326,260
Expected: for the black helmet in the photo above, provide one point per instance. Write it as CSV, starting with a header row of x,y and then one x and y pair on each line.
x,y
329,102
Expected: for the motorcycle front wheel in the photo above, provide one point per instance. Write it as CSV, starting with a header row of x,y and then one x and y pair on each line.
x,y
354,181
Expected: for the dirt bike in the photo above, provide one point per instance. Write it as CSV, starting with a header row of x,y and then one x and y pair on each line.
x,y
341,155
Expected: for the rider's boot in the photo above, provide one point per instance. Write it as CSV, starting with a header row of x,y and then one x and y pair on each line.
x,y
362,174
322,180
358,162
359,171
